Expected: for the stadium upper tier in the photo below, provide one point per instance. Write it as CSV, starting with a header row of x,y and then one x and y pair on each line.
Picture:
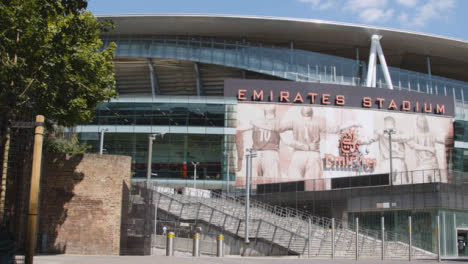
x,y
293,49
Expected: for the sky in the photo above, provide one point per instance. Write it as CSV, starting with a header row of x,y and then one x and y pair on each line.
x,y
440,17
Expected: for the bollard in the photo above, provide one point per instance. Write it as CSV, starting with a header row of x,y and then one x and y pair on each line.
x,y
357,238
170,244
410,238
196,245
220,246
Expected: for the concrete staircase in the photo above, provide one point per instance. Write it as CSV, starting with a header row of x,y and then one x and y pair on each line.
x,y
282,227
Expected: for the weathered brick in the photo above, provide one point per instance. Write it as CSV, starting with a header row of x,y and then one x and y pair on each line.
x,y
81,203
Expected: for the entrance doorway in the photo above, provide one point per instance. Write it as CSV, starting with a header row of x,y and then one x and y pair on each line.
x,y
462,243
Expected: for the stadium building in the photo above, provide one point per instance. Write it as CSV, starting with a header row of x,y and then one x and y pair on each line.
x,y
325,111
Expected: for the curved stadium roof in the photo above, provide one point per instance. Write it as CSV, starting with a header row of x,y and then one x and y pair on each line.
x,y
403,49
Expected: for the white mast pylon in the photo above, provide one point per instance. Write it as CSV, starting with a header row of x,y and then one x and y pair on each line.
x,y
375,50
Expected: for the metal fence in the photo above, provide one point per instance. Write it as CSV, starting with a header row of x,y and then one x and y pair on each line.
x,y
280,230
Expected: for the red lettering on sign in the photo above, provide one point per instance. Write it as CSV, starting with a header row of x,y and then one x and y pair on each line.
x,y
284,96
406,105
257,96
325,99
241,94
298,98
392,105
340,100
312,97
380,100
367,102
440,109
427,108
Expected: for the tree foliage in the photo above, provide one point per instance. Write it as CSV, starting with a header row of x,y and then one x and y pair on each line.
x,y
51,60
64,145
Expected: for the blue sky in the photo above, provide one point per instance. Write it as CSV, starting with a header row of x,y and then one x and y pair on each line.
x,y
441,17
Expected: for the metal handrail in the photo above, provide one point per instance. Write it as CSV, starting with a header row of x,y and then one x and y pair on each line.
x,y
271,215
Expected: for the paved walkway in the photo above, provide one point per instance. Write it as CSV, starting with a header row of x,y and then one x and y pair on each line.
x,y
79,259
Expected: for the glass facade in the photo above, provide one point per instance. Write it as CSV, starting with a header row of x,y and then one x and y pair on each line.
x,y
171,156
461,154
173,153
287,63
424,223
165,114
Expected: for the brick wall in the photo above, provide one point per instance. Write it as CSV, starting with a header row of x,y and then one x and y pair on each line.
x,y
83,204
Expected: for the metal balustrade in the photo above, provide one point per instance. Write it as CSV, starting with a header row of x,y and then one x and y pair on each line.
x,y
279,226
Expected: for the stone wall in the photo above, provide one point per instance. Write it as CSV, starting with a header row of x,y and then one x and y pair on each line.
x,y
83,204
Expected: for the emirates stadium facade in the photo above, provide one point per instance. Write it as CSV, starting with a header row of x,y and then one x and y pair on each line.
x,y
323,110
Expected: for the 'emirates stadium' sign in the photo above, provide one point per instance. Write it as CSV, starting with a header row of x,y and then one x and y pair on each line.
x,y
338,95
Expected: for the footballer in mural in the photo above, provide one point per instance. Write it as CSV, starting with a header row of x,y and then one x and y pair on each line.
x,y
316,143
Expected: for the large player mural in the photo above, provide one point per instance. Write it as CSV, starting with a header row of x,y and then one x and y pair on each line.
x,y
304,142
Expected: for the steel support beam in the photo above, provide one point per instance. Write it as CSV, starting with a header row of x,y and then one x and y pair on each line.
x,y
371,64
376,50
199,82
155,89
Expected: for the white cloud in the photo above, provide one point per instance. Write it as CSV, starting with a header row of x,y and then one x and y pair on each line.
x,y
408,3
409,13
403,18
371,15
370,11
431,10
356,5
320,4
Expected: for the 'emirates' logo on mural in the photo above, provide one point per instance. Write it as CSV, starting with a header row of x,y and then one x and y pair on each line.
x,y
349,144
350,158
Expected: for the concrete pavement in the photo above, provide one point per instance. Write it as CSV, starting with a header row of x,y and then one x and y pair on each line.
x,y
185,259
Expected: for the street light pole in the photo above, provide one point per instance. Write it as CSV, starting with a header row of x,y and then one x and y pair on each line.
x,y
151,138
251,154
195,164
101,141
150,157
390,132
226,153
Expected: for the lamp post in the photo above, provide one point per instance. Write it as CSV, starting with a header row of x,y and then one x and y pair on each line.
x,y
151,137
226,153
390,132
101,140
251,154
195,164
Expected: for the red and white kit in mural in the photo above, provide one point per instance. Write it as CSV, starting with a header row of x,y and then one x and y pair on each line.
x,y
319,143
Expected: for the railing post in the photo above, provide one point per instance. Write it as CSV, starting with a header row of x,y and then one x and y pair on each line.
x,y
196,245
258,230
170,204
170,244
211,217
290,240
438,239
273,239
309,229
220,246
224,221
382,226
410,238
357,238
198,212
333,238
181,209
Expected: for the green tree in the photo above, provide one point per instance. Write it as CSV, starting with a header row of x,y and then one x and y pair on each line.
x,y
51,60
